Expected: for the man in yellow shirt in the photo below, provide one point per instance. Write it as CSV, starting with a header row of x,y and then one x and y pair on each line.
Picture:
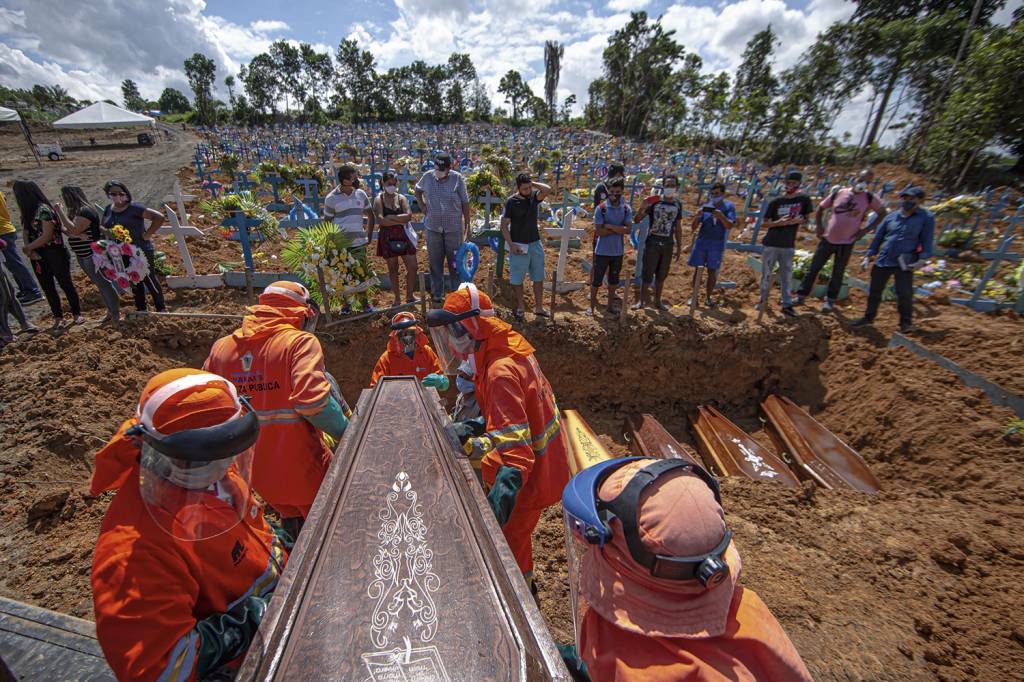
x,y
28,292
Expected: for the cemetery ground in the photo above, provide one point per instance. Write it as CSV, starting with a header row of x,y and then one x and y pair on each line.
x,y
921,581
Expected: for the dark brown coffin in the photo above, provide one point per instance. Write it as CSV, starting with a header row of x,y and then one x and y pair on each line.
x,y
816,452
729,451
401,571
651,439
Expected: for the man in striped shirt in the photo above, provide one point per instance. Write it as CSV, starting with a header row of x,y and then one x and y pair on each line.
x,y
346,205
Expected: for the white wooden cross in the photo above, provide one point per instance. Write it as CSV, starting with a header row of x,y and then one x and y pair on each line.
x,y
564,234
190,280
179,200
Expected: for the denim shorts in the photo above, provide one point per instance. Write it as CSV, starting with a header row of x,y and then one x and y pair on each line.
x,y
532,261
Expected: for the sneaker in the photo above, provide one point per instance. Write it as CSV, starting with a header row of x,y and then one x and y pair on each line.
x,y
636,306
30,299
663,306
789,312
541,313
799,299
907,328
827,306
79,320
860,322
709,303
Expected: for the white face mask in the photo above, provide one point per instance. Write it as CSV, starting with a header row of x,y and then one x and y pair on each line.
x,y
196,477
390,189
669,192
860,187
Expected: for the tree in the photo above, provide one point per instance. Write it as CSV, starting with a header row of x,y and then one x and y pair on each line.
x,y
229,83
355,79
480,101
132,98
173,102
754,89
566,112
288,65
552,70
261,83
517,92
201,71
638,67
317,71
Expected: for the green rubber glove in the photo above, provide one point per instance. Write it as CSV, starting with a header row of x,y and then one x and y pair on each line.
x,y
502,495
469,428
577,668
226,636
438,381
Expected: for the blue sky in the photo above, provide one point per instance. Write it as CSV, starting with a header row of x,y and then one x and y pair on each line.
x,y
90,47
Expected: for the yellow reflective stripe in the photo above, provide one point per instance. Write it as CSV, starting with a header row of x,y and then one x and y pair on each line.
x,y
182,659
510,439
268,579
541,442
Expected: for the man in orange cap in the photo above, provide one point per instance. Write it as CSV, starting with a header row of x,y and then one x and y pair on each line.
x,y
275,361
409,353
655,574
519,436
185,562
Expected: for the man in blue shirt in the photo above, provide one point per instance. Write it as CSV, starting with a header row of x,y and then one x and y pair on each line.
x,y
708,245
901,244
612,219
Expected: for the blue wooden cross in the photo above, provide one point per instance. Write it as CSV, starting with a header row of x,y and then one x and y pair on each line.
x,y
276,204
975,301
311,195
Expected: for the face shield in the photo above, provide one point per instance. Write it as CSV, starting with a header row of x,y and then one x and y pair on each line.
x,y
195,483
588,528
452,339
407,337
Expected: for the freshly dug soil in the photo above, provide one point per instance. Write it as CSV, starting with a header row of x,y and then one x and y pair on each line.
x,y
921,581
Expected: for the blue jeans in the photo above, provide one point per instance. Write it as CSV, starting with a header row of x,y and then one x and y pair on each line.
x,y
22,275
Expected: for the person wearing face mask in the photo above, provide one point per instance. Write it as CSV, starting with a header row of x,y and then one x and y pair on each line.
x,y
836,240
442,196
275,359
408,352
123,211
519,228
393,243
185,563
524,465
901,245
666,230
783,218
612,221
707,248
346,206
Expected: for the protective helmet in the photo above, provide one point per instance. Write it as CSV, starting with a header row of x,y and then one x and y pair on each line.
x,y
291,296
455,328
196,437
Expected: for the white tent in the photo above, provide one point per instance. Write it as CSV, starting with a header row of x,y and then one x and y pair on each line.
x,y
12,116
103,115
8,115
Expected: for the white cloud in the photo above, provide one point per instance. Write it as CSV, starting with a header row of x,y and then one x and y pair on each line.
x,y
271,26
628,5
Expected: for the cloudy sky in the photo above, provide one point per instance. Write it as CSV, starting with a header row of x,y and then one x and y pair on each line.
x,y
90,47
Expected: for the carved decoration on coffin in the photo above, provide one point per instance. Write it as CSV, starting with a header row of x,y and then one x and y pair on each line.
x,y
763,468
403,570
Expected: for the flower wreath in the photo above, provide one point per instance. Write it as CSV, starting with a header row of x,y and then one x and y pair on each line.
x,y
108,255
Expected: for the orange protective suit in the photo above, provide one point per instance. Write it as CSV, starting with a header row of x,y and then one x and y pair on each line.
x,y
753,648
523,429
281,369
149,588
394,361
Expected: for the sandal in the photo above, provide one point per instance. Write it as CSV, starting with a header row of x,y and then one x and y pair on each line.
x,y
79,320
542,313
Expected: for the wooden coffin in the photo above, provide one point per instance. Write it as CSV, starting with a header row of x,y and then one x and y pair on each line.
x,y
401,571
729,451
651,439
816,452
584,448
39,644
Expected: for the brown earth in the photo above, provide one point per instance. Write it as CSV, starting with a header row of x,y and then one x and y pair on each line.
x,y
921,581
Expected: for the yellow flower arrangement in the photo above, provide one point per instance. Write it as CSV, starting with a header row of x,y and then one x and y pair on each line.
x,y
121,234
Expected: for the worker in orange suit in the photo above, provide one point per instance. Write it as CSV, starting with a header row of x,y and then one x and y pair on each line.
x,y
519,435
185,562
655,573
275,360
408,353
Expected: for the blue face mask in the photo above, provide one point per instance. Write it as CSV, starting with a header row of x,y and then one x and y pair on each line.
x,y
464,385
717,200
908,205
